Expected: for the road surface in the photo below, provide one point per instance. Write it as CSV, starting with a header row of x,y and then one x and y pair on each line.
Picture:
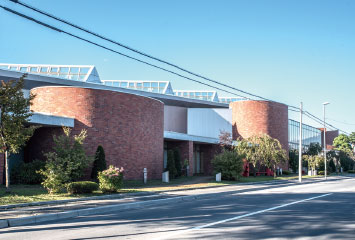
x,y
322,210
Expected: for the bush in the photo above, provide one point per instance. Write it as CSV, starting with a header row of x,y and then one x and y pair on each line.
x,y
67,163
229,163
177,160
285,172
27,173
111,180
171,164
351,171
82,187
322,173
99,163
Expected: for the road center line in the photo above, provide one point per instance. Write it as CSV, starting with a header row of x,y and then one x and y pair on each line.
x,y
243,216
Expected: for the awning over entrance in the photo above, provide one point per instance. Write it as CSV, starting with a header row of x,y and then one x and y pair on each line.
x,y
51,120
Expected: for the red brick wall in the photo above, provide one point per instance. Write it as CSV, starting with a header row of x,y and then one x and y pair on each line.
x,y
209,151
186,151
258,117
129,127
329,137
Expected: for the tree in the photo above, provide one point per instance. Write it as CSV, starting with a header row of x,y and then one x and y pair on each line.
x,y
229,163
177,159
293,159
263,150
225,140
99,162
170,166
15,112
352,139
313,161
314,149
342,143
67,162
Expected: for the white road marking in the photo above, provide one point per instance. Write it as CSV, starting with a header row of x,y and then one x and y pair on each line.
x,y
179,232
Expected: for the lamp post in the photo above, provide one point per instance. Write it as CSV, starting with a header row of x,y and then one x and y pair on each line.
x,y
325,144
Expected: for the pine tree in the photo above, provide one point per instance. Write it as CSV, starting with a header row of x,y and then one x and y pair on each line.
x,y
177,160
99,163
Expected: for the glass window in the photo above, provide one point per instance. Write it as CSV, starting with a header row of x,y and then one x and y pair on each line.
x,y
210,94
162,85
124,84
154,84
23,69
82,77
44,69
198,94
64,70
116,84
131,85
74,70
204,94
191,94
54,70
108,83
185,94
155,90
139,85
146,84
84,70
4,66
33,69
13,68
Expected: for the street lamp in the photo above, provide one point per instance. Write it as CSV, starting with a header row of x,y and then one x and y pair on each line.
x,y
325,144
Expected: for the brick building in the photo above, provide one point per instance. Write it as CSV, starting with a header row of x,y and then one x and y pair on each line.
x,y
137,122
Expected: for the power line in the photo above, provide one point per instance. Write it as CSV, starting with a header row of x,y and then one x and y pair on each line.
x,y
112,50
136,59
134,50
340,121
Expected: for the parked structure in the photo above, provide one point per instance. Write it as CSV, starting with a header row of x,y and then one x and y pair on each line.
x,y
137,122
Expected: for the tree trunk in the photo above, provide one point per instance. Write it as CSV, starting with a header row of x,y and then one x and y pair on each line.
x,y
274,171
7,170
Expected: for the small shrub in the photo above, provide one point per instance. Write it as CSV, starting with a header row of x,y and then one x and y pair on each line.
x,y
99,163
177,159
285,172
322,173
229,163
82,187
351,171
171,164
111,180
27,173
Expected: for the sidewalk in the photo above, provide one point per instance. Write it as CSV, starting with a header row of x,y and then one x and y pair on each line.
x,y
56,210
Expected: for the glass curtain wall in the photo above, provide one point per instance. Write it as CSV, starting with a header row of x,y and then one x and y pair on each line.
x,y
309,135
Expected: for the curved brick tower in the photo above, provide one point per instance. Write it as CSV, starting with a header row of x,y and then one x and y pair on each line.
x,y
128,126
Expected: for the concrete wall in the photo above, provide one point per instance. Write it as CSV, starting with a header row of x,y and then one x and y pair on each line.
x,y
129,127
208,122
175,119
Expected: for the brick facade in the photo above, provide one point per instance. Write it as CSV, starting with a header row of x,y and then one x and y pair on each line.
x,y
129,127
329,137
259,117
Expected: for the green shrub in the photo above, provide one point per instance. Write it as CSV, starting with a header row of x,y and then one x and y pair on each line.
x,y
285,172
229,163
177,159
82,187
351,171
111,180
99,163
27,173
322,173
66,163
170,166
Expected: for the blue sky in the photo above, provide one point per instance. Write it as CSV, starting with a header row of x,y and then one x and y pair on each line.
x,y
288,51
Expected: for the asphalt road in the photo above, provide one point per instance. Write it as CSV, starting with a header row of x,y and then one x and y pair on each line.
x,y
323,210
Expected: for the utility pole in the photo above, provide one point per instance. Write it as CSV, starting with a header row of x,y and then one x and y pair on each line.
x,y
325,143
300,147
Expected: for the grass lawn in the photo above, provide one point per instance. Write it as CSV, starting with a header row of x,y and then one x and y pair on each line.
x,y
36,193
